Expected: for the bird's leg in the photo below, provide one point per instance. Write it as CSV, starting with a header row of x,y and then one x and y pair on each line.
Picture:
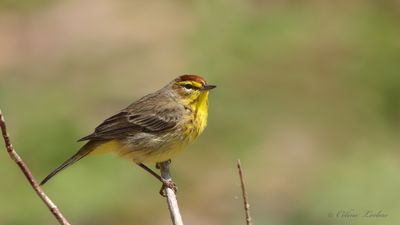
x,y
166,183
158,164
166,177
150,171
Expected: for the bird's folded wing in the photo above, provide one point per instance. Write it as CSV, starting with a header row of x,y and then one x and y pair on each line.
x,y
125,123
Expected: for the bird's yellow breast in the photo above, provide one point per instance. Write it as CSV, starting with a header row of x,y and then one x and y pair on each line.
x,y
201,113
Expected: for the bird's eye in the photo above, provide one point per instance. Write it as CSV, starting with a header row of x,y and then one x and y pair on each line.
x,y
188,86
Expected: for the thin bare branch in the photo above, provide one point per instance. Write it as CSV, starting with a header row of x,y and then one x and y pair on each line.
x,y
244,194
170,194
28,174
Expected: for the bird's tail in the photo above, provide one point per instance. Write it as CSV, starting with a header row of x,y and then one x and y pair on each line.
x,y
84,151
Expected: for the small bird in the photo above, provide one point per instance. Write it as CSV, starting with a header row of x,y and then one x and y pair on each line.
x,y
153,129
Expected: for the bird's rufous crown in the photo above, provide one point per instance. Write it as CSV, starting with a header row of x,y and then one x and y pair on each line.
x,y
190,77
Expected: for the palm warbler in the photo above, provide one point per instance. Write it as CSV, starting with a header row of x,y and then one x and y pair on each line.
x,y
154,128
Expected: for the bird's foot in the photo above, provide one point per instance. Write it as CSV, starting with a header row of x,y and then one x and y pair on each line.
x,y
167,184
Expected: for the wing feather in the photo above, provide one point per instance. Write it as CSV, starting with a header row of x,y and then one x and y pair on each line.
x,y
125,123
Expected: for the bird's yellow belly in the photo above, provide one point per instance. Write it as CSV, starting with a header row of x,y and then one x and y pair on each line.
x,y
153,155
161,157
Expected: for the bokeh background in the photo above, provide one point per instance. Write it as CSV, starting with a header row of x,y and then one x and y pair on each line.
x,y
308,98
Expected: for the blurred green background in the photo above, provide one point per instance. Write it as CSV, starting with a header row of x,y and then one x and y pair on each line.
x,y
308,98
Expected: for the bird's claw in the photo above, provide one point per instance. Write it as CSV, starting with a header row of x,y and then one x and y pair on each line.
x,y
167,184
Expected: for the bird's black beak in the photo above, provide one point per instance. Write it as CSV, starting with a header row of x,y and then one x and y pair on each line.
x,y
208,87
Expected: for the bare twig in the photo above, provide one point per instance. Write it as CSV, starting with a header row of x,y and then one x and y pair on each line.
x,y
28,174
170,194
244,194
